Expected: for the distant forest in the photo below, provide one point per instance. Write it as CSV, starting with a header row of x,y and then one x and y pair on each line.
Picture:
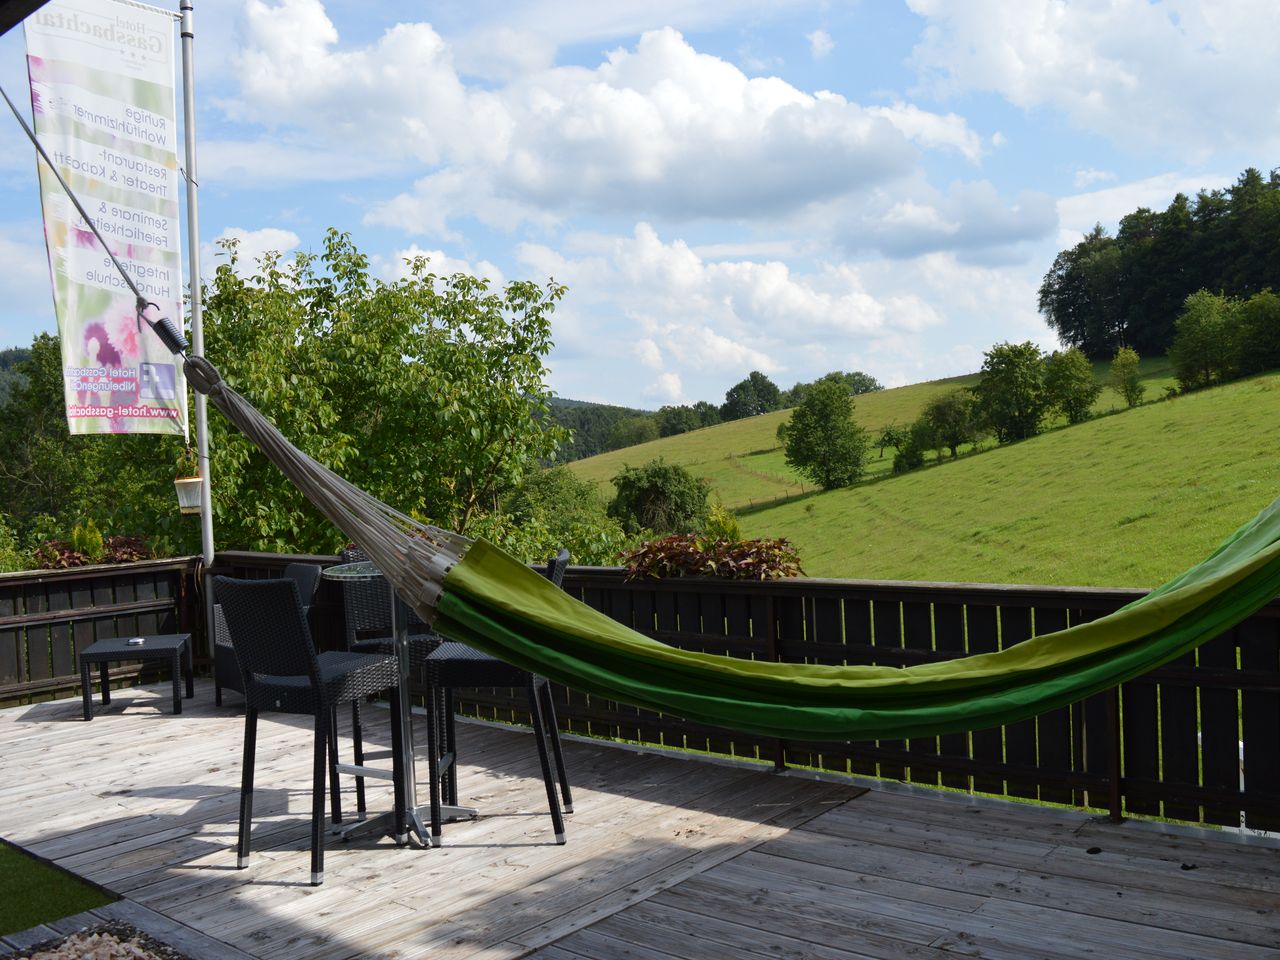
x,y
1127,291
591,423
8,376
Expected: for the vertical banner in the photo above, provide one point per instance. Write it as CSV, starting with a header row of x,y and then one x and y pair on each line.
x,y
102,94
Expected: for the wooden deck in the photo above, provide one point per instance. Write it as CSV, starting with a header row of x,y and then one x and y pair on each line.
x,y
667,857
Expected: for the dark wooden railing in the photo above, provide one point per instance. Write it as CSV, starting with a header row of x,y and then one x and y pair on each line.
x,y
48,616
1197,740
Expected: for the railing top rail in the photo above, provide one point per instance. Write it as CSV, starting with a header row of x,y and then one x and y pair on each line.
x,y
96,570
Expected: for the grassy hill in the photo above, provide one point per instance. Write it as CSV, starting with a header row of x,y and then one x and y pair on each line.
x,y
746,467
1125,500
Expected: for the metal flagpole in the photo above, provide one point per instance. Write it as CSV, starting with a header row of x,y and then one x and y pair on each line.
x,y
193,259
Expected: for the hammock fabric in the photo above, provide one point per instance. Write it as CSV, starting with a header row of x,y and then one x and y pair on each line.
x,y
476,593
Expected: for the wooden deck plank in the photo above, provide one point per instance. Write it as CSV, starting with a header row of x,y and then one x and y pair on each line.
x,y
668,858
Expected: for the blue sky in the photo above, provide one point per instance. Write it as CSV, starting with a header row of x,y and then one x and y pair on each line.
x,y
794,187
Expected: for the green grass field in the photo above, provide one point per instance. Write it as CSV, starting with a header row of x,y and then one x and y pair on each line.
x,y
32,892
746,467
1124,500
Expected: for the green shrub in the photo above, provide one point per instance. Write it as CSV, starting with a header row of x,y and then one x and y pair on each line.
x,y
86,540
12,556
660,496
688,555
722,524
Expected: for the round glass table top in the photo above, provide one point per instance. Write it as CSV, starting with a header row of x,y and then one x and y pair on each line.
x,y
360,570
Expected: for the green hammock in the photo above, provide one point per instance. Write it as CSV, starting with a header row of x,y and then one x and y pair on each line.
x,y
476,593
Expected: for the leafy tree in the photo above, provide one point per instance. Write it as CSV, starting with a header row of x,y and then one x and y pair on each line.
x,y
50,481
708,413
1125,370
676,420
428,392
1259,332
1105,293
554,508
891,436
1011,396
754,395
951,419
1206,341
1070,384
631,431
857,383
659,496
919,439
823,442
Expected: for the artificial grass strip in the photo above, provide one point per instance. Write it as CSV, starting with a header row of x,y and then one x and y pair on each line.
x,y
33,891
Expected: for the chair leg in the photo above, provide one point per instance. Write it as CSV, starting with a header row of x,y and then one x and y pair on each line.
x,y
553,733
433,758
318,772
450,778
540,735
217,695
335,795
402,771
246,785
357,738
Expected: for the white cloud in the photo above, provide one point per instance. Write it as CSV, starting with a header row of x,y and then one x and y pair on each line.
x,y
251,245
666,389
971,218
1089,176
642,301
441,264
1148,74
933,130
820,44
648,354
656,129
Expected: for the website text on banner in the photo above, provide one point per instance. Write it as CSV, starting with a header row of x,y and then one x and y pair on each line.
x,y
102,93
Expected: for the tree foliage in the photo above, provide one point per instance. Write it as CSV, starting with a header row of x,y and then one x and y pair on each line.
x,y
630,431
856,382
674,420
751,396
51,481
1070,384
1124,378
1207,345
661,497
1108,292
952,419
1011,395
428,392
589,426
822,440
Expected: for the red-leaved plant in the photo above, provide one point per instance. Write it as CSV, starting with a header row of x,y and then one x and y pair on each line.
x,y
60,554
690,555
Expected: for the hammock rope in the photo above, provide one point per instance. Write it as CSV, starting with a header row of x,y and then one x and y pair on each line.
x,y
474,592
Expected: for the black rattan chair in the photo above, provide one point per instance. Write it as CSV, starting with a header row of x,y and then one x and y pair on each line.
x,y
226,671
454,665
367,610
282,673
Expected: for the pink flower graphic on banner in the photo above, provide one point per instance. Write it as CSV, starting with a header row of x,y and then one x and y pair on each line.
x,y
124,334
83,237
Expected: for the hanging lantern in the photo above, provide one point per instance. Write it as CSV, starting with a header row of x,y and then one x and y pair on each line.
x,y
188,494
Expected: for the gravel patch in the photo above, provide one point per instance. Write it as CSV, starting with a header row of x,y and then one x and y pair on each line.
x,y
105,941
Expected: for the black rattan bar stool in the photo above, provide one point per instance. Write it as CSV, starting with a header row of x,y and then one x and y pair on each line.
x,y
282,673
455,665
367,608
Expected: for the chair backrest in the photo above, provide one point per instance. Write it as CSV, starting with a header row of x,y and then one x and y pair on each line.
x,y
556,567
307,577
367,604
267,627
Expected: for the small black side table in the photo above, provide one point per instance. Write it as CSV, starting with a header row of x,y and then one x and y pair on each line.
x,y
174,647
